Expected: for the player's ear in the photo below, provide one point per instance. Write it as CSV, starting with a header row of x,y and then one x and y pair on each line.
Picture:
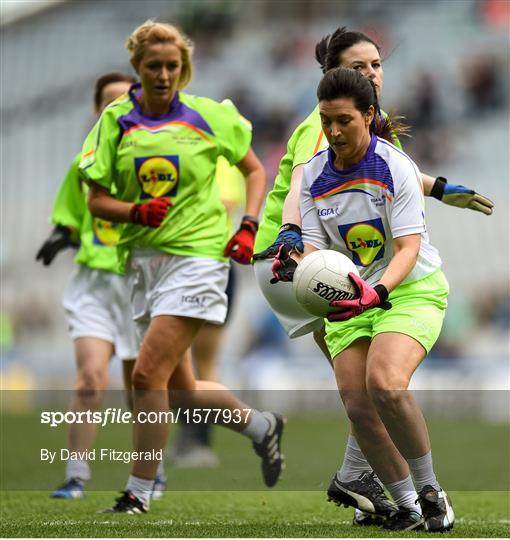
x,y
369,115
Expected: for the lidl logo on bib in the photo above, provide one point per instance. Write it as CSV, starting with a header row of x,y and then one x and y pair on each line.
x,y
106,233
365,240
158,176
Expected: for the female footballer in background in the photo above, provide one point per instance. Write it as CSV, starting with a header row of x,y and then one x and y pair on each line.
x,y
357,51
96,299
376,351
157,151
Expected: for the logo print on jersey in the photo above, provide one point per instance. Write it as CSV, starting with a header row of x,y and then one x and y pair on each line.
x,y
158,176
365,240
106,233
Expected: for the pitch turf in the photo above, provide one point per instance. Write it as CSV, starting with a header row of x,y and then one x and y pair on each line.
x,y
231,501
229,514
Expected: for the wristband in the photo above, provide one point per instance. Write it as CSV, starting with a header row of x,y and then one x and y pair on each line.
x,y
437,190
134,213
249,223
382,292
290,227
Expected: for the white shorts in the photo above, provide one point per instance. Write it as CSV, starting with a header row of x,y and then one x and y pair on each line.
x,y
97,305
163,284
292,316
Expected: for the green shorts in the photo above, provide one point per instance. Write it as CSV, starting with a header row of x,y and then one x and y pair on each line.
x,y
418,310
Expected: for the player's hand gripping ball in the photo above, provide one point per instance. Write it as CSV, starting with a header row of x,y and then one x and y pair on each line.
x,y
321,278
367,297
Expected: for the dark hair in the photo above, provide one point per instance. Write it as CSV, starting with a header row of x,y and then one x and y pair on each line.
x,y
107,79
330,48
349,83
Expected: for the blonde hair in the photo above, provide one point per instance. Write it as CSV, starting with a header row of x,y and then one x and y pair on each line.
x,y
151,32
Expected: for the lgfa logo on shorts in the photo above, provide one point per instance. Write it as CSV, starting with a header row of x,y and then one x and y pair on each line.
x,y
158,176
365,240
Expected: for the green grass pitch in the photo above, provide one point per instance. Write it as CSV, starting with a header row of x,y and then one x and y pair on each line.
x,y
229,514
471,461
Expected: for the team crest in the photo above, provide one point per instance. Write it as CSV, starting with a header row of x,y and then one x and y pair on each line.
x,y
158,176
106,233
365,240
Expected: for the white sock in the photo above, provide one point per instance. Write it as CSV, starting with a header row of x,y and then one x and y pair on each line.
x,y
404,494
161,470
257,428
354,462
423,472
140,488
77,468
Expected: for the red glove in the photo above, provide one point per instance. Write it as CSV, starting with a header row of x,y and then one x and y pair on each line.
x,y
368,297
151,213
240,246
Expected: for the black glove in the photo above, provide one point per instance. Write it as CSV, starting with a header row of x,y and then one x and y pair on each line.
x,y
59,239
283,267
460,196
289,234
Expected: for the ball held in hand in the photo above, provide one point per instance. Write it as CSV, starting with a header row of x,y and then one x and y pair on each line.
x,y
320,278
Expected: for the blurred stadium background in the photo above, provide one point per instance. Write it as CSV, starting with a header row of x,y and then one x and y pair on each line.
x,y
446,70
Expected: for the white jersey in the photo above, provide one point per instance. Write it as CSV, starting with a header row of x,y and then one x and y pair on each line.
x,y
359,211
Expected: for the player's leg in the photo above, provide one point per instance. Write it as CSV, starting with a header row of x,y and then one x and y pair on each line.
x,y
403,336
192,447
265,429
127,378
193,444
92,360
392,359
86,300
350,372
297,322
153,370
354,464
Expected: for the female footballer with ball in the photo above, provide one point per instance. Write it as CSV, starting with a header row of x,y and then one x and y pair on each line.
x,y
354,50
378,339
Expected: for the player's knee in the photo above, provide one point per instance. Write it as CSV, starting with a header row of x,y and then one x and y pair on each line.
x,y
386,390
90,384
143,379
355,403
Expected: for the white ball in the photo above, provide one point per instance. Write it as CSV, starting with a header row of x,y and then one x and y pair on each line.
x,y
322,276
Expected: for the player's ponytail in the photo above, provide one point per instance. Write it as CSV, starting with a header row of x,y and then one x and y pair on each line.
x,y
321,52
349,83
387,126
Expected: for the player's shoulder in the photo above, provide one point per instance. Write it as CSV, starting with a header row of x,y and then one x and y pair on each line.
x,y
393,155
311,122
214,111
203,103
118,106
76,160
314,166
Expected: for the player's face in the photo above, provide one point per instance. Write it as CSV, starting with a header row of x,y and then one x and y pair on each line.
x,y
111,92
365,58
346,129
160,71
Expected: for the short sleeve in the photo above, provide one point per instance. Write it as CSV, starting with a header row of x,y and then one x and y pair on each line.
x,y
234,133
407,214
309,140
312,230
99,151
69,206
